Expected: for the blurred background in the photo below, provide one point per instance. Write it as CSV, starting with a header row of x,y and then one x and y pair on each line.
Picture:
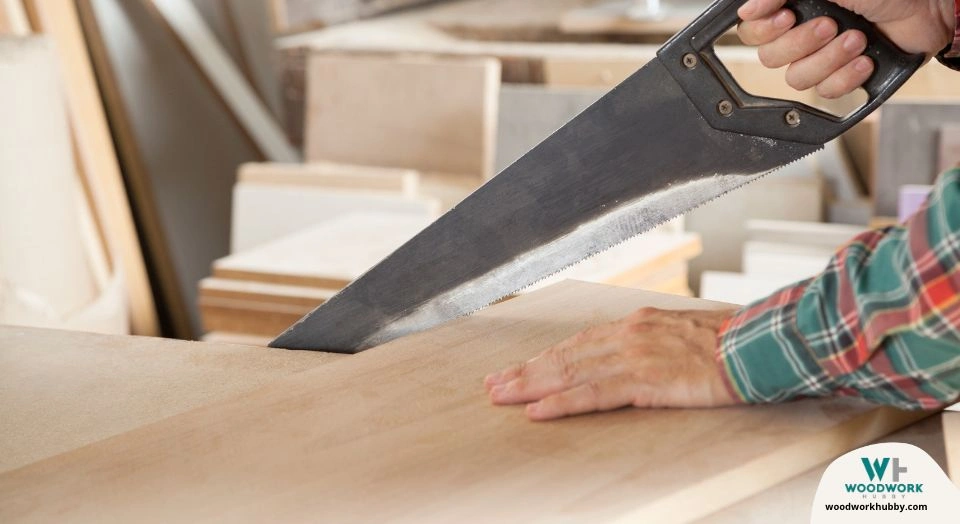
x,y
217,168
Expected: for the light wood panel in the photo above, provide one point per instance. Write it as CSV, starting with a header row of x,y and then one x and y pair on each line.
x,y
41,248
265,212
328,255
329,175
97,158
405,433
60,390
438,114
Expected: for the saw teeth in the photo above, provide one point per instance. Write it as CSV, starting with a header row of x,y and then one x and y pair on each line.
x,y
657,224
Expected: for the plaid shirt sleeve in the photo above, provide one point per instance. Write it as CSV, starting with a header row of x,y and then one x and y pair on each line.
x,y
881,322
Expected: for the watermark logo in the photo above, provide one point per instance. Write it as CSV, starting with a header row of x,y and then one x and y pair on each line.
x,y
876,469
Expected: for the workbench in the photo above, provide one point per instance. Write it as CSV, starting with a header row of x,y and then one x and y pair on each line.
x,y
113,428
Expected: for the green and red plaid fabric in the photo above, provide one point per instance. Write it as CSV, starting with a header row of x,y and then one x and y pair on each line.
x,y
881,322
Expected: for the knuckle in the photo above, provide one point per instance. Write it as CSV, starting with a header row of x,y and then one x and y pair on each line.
x,y
594,390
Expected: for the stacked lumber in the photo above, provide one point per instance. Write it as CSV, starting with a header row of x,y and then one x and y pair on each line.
x,y
264,290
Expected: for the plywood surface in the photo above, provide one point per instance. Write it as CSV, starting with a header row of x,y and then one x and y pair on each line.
x,y
437,114
60,390
405,433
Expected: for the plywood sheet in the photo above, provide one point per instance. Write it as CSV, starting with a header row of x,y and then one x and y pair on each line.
x,y
41,249
158,103
951,440
264,212
328,175
60,390
405,433
97,157
329,255
437,114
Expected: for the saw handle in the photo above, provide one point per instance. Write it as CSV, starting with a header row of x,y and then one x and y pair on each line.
x,y
727,106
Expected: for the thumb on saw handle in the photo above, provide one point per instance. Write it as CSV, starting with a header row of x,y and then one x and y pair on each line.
x,y
892,68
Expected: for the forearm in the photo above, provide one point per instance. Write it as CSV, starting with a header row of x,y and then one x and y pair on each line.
x,y
883,321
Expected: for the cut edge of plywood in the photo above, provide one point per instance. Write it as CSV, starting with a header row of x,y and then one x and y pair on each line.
x,y
185,22
96,159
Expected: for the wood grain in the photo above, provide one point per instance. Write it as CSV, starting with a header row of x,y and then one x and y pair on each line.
x,y
405,433
438,114
96,155
60,390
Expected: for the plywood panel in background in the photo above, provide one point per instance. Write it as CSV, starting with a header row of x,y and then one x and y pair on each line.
x,y
179,145
437,114
97,158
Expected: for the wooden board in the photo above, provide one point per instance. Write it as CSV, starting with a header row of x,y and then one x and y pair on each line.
x,y
256,308
740,288
908,148
405,433
42,252
263,212
158,102
791,261
60,390
329,255
830,236
439,114
949,147
96,156
328,175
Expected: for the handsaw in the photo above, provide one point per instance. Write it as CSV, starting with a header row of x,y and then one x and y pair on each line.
x,y
677,133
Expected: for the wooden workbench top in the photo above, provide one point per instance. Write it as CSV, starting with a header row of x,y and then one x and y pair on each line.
x,y
405,433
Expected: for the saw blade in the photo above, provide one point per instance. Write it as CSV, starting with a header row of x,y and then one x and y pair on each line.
x,y
639,156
